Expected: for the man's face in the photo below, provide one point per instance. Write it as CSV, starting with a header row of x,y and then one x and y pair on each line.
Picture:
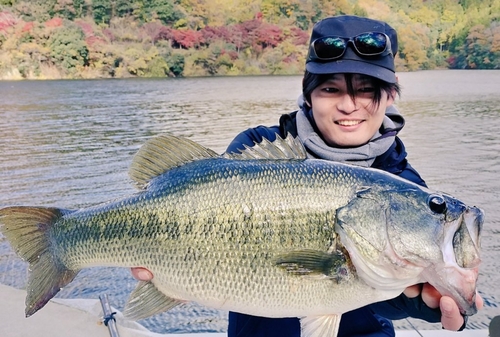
x,y
342,121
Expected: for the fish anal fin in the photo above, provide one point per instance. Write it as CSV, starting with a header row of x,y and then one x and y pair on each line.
x,y
27,229
162,153
320,326
146,300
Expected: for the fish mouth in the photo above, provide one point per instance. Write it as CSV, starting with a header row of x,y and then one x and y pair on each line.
x,y
457,275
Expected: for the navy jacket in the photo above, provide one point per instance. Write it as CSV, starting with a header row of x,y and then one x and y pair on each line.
x,y
370,321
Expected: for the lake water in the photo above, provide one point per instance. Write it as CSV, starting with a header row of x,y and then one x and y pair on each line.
x,y
69,144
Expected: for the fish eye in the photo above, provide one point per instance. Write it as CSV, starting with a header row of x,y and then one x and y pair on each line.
x,y
437,204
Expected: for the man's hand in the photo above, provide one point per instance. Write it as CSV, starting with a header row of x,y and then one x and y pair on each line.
x,y
451,318
142,274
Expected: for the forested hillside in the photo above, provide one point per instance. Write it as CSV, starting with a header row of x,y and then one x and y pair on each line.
x,y
43,39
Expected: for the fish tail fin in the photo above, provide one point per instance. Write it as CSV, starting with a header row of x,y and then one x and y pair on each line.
x,y
27,230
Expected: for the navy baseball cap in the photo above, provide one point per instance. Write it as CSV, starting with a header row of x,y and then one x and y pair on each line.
x,y
348,26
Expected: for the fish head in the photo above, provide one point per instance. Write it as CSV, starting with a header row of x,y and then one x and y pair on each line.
x,y
456,275
400,237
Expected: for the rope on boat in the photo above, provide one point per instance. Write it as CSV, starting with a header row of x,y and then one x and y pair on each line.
x,y
414,328
109,316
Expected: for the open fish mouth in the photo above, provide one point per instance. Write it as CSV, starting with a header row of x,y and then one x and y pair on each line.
x,y
466,240
457,276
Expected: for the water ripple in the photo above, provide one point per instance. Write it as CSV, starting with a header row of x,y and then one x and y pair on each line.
x,y
69,144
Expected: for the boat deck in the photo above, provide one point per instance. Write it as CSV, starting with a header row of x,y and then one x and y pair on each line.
x,y
83,318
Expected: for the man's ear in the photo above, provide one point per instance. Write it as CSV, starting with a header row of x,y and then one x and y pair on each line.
x,y
391,97
307,103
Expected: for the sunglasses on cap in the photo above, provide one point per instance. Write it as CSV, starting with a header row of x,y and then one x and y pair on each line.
x,y
366,44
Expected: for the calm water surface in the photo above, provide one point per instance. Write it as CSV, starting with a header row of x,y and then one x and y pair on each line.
x,y
69,144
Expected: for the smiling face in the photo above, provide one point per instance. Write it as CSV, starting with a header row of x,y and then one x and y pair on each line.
x,y
345,120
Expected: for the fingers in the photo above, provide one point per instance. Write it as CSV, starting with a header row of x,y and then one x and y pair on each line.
x,y
141,274
413,291
479,302
430,296
451,319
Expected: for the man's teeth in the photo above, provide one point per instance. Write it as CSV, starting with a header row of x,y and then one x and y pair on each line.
x,y
348,123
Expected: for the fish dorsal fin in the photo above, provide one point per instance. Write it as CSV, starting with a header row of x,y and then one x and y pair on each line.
x,y
288,148
162,153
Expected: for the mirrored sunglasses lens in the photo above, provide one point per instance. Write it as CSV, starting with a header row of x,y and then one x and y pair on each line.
x,y
329,47
370,43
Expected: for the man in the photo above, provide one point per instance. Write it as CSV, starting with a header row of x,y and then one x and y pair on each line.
x,y
346,114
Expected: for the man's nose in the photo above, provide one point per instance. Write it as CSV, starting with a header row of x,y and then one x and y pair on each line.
x,y
347,104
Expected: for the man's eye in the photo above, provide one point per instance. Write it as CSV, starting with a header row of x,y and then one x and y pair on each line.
x,y
366,89
330,89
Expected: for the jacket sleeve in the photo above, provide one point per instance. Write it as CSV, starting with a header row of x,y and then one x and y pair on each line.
x,y
403,307
394,161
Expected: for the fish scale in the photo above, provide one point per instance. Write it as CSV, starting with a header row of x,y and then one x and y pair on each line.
x,y
265,232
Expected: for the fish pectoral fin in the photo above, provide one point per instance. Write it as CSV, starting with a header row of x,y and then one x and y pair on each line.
x,y
146,300
320,326
311,262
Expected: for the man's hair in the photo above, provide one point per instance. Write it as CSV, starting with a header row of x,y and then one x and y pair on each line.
x,y
312,81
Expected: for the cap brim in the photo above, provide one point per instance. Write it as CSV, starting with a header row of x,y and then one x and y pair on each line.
x,y
352,67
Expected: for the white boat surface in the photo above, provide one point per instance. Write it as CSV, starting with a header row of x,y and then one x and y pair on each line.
x,y
83,318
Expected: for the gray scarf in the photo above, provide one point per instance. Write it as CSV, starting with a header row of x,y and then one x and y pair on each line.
x,y
363,155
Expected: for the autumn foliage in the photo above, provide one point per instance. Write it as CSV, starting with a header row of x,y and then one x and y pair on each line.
x,y
118,38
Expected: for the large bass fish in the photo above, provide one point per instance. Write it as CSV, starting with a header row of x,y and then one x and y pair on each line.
x,y
266,233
